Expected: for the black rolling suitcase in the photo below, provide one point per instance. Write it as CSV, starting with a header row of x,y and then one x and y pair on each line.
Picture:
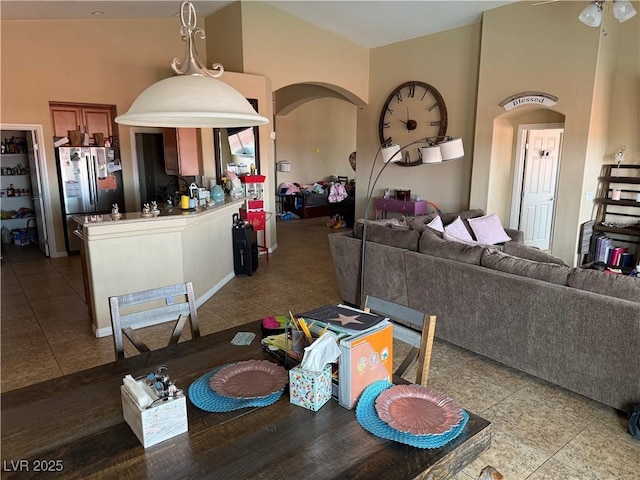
x,y
245,247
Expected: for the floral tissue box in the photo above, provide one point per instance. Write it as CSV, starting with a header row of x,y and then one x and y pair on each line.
x,y
310,389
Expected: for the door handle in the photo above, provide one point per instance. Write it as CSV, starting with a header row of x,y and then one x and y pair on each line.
x,y
88,159
95,179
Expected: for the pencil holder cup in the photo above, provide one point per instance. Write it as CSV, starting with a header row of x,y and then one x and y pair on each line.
x,y
298,341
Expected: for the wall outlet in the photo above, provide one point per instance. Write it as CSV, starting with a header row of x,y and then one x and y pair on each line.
x,y
590,196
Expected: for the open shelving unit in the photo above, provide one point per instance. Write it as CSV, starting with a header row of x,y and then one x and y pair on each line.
x,y
21,184
618,219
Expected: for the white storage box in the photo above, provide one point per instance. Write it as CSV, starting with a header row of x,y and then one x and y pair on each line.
x,y
155,424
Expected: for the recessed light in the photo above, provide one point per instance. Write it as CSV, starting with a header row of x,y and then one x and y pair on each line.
x,y
97,12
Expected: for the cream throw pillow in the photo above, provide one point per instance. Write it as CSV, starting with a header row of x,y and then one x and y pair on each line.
x,y
436,224
488,230
457,232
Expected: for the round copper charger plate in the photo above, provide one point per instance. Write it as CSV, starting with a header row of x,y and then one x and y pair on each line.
x,y
250,379
417,410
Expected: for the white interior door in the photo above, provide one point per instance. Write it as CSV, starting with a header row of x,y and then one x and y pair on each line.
x,y
36,192
539,186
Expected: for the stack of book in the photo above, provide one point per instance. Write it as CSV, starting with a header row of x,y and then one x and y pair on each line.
x,y
606,251
366,348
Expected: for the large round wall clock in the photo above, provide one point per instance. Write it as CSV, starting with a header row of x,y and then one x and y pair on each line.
x,y
414,110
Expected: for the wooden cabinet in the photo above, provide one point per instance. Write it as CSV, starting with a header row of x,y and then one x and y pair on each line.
x,y
89,118
405,207
182,151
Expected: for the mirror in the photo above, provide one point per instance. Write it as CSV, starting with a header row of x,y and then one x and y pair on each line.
x,y
237,149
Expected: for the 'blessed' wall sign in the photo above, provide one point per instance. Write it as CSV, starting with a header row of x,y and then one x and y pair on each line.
x,y
529,98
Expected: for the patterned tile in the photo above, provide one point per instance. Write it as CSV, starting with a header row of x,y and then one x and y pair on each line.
x,y
512,458
543,416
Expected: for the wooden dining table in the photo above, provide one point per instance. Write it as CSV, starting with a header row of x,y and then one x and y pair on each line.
x,y
73,427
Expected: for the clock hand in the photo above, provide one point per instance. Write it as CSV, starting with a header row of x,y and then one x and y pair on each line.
x,y
410,124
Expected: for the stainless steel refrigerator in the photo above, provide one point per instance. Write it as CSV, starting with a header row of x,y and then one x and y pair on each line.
x,y
90,180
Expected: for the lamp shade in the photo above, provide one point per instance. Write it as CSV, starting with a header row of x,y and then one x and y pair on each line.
x,y
431,154
591,15
192,101
451,149
623,10
391,154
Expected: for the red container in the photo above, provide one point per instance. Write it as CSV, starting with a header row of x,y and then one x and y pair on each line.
x,y
252,178
257,219
253,205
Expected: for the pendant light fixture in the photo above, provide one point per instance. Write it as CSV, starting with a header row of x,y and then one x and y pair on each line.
x,y
623,10
194,97
591,15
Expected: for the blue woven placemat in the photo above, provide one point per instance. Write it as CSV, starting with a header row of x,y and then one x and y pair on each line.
x,y
201,395
368,418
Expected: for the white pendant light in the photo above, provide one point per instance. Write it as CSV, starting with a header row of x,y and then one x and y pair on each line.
x,y
194,98
591,15
391,154
623,10
191,101
451,148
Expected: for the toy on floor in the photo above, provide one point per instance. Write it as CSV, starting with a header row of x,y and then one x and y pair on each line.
x,y
337,222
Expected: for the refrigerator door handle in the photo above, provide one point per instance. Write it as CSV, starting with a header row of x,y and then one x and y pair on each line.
x,y
89,179
95,178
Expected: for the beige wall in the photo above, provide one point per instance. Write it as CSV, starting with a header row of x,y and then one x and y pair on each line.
x,y
317,138
224,38
449,62
289,50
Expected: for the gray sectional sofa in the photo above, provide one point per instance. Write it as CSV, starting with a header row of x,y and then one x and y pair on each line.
x,y
576,328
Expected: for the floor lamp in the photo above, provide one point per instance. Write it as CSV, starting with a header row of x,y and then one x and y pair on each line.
x,y
433,152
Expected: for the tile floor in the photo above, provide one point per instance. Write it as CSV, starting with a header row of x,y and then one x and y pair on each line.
x,y
540,432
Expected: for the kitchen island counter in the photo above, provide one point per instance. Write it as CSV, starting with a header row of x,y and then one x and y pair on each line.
x,y
136,252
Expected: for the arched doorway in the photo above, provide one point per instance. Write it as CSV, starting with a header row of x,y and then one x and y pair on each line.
x,y
526,159
316,130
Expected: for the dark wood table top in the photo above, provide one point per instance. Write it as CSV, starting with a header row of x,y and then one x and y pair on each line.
x,y
74,423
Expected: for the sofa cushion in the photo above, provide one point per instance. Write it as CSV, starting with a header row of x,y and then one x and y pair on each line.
x,y
447,218
548,272
457,231
416,224
488,230
426,218
392,234
358,225
432,244
523,251
611,284
419,224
